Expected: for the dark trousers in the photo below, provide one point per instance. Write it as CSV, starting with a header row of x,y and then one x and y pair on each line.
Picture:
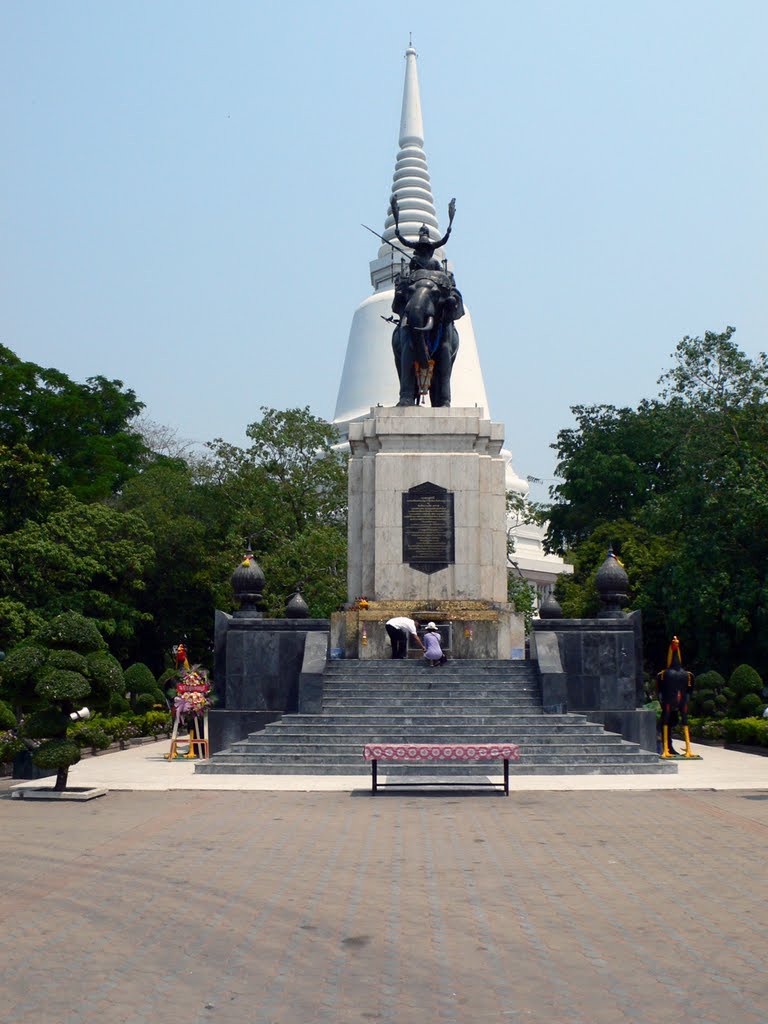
x,y
399,640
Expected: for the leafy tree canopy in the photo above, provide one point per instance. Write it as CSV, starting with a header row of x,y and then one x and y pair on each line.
x,y
83,428
87,558
680,486
288,493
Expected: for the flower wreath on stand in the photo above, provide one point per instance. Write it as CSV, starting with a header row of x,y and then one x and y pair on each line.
x,y
193,697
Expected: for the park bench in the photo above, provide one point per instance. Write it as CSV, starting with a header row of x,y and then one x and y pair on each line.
x,y
447,753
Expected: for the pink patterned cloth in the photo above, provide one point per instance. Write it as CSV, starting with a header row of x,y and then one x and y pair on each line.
x,y
441,752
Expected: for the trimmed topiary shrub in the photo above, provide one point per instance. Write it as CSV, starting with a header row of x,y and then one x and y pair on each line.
x,y
709,698
18,670
58,754
10,744
69,660
62,685
45,722
49,677
106,678
139,678
72,631
750,706
117,705
747,687
145,702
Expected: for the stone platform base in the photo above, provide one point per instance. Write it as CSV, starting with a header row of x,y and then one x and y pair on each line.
x,y
468,629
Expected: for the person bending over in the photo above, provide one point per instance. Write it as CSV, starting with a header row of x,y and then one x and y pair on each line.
x,y
398,630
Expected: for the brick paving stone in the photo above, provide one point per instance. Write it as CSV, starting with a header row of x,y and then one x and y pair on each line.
x,y
328,908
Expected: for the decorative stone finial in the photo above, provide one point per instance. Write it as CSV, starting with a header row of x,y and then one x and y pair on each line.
x,y
612,586
296,607
549,608
248,583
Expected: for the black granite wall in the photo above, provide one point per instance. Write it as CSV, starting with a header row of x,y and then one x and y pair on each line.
x,y
594,667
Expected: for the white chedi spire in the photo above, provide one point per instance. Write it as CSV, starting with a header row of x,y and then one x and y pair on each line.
x,y
410,183
369,377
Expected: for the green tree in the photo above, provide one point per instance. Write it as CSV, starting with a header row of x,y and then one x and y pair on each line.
x,y
83,428
288,492
63,665
87,558
685,478
189,518
25,491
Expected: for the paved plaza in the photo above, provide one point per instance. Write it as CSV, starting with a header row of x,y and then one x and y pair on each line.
x,y
327,907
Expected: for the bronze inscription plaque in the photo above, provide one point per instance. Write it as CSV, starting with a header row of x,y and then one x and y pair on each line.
x,y
429,543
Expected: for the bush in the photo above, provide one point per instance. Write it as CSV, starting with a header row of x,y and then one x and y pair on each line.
x,y
139,678
708,698
7,717
70,660
146,702
45,723
90,734
745,680
117,704
106,677
73,631
10,746
20,667
56,754
750,706
696,726
123,728
61,684
713,730
749,731
158,723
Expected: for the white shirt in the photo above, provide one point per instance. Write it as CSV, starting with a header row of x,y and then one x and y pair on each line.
x,y
401,622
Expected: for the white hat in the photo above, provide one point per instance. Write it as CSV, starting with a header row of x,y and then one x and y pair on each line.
x,y
431,628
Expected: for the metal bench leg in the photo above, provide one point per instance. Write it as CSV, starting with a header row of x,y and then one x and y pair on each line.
x,y
374,775
506,776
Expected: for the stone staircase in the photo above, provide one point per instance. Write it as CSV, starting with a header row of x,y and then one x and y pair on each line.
x,y
461,702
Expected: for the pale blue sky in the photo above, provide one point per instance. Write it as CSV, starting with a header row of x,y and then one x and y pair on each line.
x,y
182,186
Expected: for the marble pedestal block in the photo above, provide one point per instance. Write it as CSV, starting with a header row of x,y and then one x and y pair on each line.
x,y
261,666
399,458
594,667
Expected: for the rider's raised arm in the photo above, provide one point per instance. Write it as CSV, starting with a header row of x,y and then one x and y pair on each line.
x,y
444,239
401,239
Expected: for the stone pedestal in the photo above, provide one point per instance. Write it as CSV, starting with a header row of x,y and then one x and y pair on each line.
x,y
594,666
468,629
261,665
427,507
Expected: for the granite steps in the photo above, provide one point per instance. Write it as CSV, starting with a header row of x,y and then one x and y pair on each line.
x,y
405,701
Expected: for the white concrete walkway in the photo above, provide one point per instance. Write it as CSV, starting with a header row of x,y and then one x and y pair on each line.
x,y
145,768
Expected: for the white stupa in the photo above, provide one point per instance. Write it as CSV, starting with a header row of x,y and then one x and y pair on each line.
x,y
369,377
